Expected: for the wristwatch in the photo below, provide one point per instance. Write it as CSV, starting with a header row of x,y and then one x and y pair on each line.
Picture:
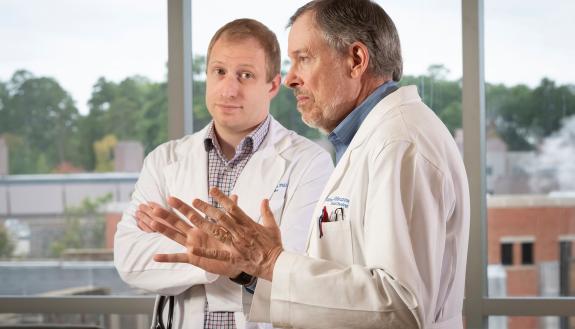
x,y
244,279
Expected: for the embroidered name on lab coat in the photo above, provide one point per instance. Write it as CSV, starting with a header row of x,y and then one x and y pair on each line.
x,y
281,186
337,201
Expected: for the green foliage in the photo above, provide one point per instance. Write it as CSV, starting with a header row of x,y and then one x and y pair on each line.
x,y
6,243
43,128
85,226
283,108
134,109
441,95
104,151
43,115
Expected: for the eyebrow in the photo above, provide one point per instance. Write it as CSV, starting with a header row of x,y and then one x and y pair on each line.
x,y
222,63
300,51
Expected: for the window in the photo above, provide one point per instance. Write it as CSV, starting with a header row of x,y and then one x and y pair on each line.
x,y
507,253
527,253
530,116
82,100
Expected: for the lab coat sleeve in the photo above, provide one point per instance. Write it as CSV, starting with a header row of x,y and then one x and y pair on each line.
x,y
302,199
134,249
389,289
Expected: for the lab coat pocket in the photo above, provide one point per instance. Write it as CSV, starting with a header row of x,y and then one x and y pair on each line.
x,y
335,244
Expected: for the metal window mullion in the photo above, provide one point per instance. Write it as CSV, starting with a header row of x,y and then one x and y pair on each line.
x,y
180,112
535,306
77,304
473,108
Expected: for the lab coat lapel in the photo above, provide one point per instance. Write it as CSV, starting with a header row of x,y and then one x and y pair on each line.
x,y
259,179
189,175
370,123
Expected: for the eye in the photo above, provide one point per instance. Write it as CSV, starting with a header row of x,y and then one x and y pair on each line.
x,y
246,75
303,59
219,71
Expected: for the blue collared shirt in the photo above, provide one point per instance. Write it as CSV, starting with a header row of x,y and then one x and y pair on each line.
x,y
342,135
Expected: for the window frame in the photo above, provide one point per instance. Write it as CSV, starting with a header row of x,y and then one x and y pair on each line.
x,y
477,307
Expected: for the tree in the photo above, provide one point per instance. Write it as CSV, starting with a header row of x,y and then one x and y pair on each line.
x,y
6,243
134,109
85,226
525,116
43,113
441,95
104,151
4,99
40,116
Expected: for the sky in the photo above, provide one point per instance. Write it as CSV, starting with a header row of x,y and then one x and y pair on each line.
x,y
76,42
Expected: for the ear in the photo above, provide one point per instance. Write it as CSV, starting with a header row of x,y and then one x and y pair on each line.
x,y
358,59
275,86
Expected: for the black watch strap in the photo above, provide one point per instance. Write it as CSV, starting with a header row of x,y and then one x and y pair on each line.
x,y
243,279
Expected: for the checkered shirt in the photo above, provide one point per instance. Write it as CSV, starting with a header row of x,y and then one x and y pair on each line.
x,y
223,175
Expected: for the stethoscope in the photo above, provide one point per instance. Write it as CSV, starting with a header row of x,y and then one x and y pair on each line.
x,y
159,318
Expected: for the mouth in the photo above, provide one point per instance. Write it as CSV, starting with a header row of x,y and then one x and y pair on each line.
x,y
301,99
229,107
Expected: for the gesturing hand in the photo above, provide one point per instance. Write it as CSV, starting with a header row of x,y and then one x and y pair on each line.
x,y
256,247
169,224
243,244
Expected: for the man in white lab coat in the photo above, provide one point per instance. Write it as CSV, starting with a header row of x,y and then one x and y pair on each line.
x,y
243,151
388,243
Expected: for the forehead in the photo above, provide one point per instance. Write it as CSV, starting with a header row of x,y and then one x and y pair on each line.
x,y
304,35
247,51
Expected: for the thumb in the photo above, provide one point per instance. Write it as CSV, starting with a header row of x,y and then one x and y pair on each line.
x,y
268,219
234,198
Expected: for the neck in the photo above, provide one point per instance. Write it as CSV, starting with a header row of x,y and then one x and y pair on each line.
x,y
368,87
229,139
228,142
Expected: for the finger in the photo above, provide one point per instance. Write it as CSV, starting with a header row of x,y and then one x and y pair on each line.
x,y
154,205
149,207
144,207
143,222
216,254
268,219
205,225
184,208
216,214
170,218
234,198
171,258
169,232
237,214
195,218
225,201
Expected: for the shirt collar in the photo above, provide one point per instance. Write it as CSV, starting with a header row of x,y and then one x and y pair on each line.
x,y
252,141
342,135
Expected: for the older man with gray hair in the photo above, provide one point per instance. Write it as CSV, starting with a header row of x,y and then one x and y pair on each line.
x,y
388,246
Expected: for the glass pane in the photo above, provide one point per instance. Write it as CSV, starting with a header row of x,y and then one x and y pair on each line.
x,y
432,56
82,100
530,124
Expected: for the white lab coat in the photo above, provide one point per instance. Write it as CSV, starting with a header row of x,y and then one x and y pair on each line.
x,y
288,169
397,258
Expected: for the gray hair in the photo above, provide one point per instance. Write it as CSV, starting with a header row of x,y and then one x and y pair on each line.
x,y
343,22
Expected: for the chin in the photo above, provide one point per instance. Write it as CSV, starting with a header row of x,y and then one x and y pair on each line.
x,y
316,124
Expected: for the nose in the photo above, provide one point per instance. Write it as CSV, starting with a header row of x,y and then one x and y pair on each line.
x,y
292,80
230,87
